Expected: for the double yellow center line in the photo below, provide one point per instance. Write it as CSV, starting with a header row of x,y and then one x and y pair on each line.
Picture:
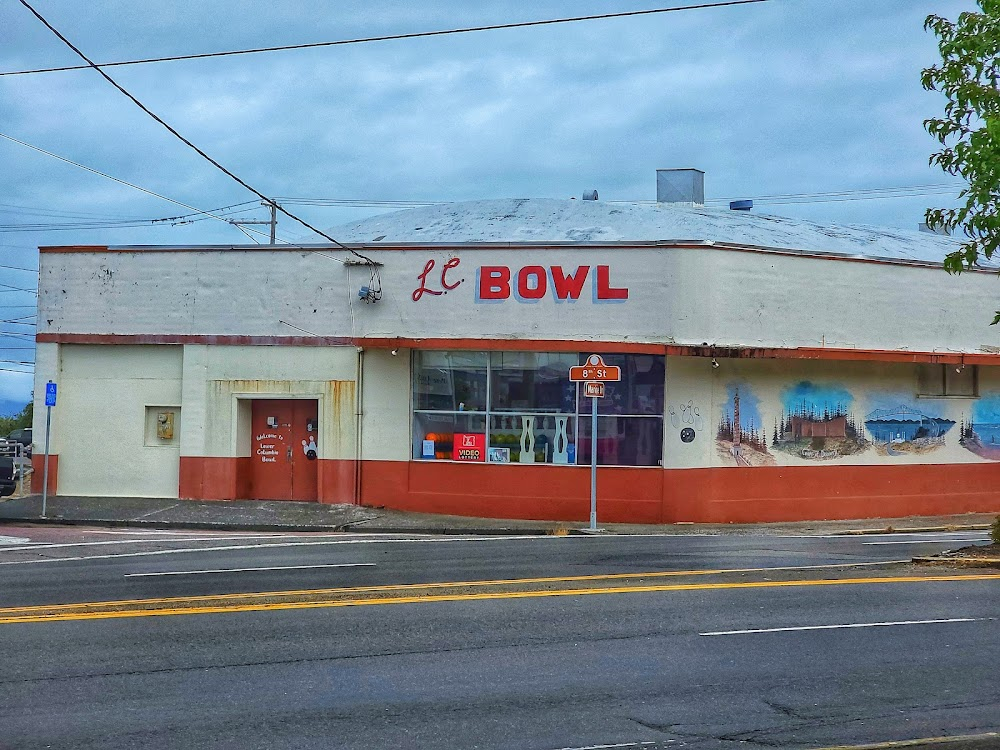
x,y
454,591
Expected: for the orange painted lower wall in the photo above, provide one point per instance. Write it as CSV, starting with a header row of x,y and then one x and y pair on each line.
x,y
214,478
716,495
38,472
812,493
628,495
555,493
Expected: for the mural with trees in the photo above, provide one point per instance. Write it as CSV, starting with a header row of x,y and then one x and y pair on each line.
x,y
741,439
981,432
817,423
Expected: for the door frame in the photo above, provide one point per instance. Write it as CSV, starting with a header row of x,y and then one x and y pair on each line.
x,y
241,441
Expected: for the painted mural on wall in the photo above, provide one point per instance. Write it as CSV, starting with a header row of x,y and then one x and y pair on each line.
x,y
898,426
741,439
980,433
817,424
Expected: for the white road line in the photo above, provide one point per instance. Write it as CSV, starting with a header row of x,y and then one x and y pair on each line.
x,y
276,545
14,540
609,747
926,541
107,542
157,532
247,570
848,625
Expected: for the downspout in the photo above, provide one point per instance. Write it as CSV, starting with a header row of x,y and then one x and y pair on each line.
x,y
359,380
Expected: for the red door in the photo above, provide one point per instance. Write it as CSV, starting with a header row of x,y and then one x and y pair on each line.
x,y
284,449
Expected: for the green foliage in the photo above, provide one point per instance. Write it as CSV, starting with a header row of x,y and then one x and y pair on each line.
x,y
969,131
21,419
995,531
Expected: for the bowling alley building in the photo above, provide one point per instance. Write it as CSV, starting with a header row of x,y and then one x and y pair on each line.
x,y
771,368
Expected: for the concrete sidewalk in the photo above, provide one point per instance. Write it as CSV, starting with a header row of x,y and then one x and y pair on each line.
x,y
247,515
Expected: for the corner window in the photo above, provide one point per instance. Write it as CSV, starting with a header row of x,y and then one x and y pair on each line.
x,y
944,381
520,407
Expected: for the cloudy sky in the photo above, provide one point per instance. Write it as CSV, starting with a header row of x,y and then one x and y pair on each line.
x,y
775,98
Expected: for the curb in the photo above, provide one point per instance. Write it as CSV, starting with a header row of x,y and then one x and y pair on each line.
x,y
914,529
967,562
211,526
139,523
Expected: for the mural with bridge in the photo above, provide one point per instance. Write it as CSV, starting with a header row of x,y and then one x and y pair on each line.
x,y
903,429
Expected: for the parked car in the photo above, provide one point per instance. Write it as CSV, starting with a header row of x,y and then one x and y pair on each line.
x,y
22,436
7,470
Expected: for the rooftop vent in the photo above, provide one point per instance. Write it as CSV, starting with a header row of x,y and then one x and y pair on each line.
x,y
922,226
590,195
685,186
740,205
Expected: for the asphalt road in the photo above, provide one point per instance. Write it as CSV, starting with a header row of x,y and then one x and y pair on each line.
x,y
644,642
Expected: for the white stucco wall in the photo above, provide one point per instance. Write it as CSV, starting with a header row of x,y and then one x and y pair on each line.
x,y
386,399
99,422
675,295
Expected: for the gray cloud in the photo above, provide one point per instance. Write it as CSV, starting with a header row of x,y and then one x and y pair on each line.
x,y
779,97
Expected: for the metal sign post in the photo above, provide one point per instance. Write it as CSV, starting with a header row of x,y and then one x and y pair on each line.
x,y
593,376
50,401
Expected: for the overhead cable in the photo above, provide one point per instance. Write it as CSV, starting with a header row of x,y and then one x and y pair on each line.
x,y
19,268
184,140
120,181
386,38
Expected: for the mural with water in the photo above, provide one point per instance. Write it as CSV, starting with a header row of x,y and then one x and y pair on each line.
x,y
981,432
817,423
741,439
899,426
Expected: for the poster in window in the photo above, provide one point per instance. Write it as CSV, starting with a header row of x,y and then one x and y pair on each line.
x,y
470,446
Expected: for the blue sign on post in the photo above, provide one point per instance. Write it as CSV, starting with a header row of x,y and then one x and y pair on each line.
x,y
50,394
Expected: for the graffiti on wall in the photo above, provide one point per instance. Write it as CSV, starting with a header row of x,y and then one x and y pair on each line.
x,y
898,426
981,432
741,439
817,424
687,419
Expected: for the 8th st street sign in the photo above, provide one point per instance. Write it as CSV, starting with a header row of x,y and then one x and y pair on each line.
x,y
595,369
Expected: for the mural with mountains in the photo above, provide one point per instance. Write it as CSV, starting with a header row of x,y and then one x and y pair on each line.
x,y
898,426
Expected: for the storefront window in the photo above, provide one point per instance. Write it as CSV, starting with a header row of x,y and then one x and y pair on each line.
x,y
520,407
532,381
623,441
449,381
640,391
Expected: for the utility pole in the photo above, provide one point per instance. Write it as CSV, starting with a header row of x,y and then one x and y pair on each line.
x,y
274,216
273,220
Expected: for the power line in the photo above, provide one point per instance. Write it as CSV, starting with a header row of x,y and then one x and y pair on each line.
x,y
18,289
188,143
120,181
365,40
19,268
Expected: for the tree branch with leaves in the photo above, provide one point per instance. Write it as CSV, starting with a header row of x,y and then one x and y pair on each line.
x,y
969,131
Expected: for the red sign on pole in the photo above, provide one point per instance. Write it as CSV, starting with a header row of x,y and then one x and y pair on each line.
x,y
593,389
595,369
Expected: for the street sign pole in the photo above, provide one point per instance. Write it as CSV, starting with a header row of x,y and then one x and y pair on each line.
x,y
594,374
593,464
50,401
